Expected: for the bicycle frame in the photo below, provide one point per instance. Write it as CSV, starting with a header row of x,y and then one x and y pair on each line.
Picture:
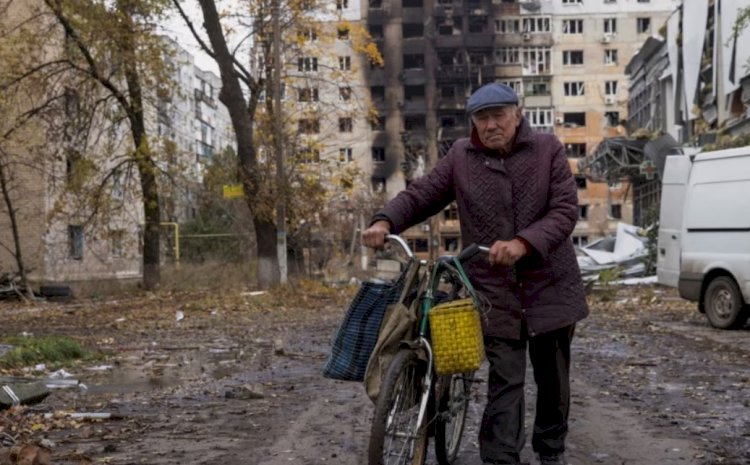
x,y
427,281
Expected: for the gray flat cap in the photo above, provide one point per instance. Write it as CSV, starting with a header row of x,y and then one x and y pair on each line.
x,y
491,95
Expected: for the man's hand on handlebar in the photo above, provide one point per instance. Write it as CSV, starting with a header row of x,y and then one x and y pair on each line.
x,y
374,236
507,252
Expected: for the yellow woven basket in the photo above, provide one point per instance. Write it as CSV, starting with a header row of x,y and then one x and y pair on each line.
x,y
456,331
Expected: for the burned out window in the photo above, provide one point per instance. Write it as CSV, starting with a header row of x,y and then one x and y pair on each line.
x,y
413,92
575,150
477,23
345,93
377,92
413,61
642,25
409,30
378,154
574,118
583,212
450,213
343,33
581,182
378,184
447,91
346,124
412,3
376,31
414,122
615,211
421,245
450,244
612,118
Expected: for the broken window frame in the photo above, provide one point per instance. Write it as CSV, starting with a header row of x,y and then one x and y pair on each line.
x,y
574,89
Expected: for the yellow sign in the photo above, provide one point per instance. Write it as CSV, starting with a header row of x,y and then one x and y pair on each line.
x,y
233,191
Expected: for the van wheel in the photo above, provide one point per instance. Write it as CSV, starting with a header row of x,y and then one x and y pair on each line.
x,y
723,303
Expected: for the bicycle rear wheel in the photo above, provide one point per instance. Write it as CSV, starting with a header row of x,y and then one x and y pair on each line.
x,y
451,418
396,438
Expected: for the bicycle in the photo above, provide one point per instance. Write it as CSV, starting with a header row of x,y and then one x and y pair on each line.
x,y
414,402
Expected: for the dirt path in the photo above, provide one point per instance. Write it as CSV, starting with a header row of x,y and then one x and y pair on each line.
x,y
237,382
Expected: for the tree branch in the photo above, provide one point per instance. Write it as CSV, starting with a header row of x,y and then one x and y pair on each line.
x,y
93,69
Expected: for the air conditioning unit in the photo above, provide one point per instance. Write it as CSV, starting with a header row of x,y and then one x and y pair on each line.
x,y
610,100
606,38
559,120
526,36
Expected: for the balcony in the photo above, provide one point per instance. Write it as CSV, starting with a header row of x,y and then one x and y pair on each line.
x,y
537,101
454,41
452,73
451,103
201,96
480,40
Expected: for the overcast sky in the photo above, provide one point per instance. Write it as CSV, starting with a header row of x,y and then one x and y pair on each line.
x,y
175,28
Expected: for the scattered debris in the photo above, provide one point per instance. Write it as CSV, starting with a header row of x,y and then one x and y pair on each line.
x,y
85,415
626,251
254,293
18,391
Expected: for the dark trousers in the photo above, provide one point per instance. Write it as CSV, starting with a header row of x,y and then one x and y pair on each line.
x,y
502,437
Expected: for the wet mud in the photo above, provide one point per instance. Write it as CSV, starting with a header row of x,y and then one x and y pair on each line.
x,y
237,381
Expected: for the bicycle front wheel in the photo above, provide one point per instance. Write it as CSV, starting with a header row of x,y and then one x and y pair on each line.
x,y
453,392
396,438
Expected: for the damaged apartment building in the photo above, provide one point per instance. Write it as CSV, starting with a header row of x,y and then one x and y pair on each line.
x,y
565,58
689,90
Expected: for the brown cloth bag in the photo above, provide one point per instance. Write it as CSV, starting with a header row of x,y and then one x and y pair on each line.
x,y
399,324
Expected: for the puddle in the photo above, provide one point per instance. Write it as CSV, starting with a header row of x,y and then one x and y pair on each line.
x,y
153,371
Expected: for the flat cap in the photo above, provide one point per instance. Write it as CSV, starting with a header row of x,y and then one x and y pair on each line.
x,y
491,95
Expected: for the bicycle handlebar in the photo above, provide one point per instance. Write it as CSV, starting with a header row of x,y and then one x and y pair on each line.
x,y
465,254
398,239
470,251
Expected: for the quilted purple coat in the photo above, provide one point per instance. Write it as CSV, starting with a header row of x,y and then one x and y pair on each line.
x,y
530,193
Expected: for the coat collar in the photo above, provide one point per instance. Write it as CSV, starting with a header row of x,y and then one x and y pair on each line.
x,y
524,136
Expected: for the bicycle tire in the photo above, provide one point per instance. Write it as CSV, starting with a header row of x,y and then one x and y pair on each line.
x,y
395,434
451,418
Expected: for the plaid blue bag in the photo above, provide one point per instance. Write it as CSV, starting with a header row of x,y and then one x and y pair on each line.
x,y
358,333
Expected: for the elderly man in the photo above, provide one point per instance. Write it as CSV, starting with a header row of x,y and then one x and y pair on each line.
x,y
515,192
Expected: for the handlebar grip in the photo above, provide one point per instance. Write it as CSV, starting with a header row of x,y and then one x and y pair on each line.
x,y
468,252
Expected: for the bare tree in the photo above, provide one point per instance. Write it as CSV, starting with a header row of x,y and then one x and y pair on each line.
x,y
242,90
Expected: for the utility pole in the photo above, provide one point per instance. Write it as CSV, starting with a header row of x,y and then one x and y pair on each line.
x,y
277,126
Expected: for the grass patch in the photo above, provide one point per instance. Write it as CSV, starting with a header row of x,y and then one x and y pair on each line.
x,y
52,350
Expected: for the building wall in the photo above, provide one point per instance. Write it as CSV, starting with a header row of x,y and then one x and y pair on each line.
x,y
43,164
607,29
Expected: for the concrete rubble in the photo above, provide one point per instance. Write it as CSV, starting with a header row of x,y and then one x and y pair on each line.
x,y
626,251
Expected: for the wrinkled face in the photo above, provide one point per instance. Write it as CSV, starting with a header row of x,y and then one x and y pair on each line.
x,y
497,126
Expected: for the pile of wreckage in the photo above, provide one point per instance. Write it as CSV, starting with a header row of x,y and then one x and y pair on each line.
x,y
626,252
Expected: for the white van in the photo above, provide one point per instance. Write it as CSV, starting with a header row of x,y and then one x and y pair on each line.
x,y
704,232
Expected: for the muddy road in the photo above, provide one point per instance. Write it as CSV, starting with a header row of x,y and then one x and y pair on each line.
x,y
235,379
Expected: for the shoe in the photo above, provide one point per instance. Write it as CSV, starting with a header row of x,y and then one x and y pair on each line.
x,y
552,459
